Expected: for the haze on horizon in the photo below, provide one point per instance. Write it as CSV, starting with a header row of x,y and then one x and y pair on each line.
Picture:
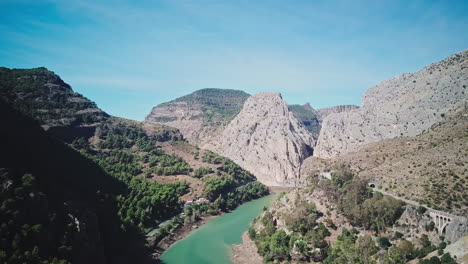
x,y
129,57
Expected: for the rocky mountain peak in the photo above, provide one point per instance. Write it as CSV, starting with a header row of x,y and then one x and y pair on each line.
x,y
266,139
405,105
308,107
201,115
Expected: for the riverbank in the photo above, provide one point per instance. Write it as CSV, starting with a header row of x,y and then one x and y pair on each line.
x,y
278,189
180,234
246,252
212,242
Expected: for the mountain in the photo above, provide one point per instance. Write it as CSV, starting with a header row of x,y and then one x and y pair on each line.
x,y
266,139
407,191
220,120
201,115
312,119
57,205
405,105
429,168
308,117
324,112
42,94
100,182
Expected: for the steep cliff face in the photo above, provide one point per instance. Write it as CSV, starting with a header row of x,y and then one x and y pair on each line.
x,y
402,106
429,168
308,117
266,139
200,116
324,112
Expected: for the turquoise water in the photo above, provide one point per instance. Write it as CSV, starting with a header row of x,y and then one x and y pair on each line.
x,y
211,243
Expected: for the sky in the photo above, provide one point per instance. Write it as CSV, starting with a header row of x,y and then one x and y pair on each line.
x,y
129,56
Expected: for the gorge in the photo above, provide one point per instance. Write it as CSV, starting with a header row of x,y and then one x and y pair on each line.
x,y
283,145
209,152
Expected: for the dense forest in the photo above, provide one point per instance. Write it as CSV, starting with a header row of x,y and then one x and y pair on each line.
x,y
57,205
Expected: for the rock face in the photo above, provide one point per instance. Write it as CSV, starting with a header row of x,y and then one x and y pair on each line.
x,y
44,95
266,139
324,112
200,116
308,117
456,229
402,106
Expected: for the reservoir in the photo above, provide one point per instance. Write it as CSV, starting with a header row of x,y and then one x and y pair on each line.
x,y
211,243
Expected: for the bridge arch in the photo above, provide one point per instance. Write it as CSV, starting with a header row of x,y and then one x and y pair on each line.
x,y
441,220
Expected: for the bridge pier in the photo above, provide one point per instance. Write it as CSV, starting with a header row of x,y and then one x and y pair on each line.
x,y
441,220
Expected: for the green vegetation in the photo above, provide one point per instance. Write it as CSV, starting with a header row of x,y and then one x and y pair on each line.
x,y
212,158
383,242
370,211
125,152
79,193
307,115
303,219
200,172
357,202
234,187
46,93
219,105
274,245
59,204
445,259
24,240
226,193
168,228
350,249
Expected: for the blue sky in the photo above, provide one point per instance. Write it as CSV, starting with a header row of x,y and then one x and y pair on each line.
x,y
128,56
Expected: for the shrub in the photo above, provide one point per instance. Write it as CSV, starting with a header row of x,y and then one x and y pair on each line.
x,y
398,235
200,172
383,242
421,210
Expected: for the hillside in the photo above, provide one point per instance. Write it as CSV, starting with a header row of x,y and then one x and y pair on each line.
x,y
312,119
58,205
322,113
201,115
40,93
268,140
404,105
152,181
342,220
308,117
430,168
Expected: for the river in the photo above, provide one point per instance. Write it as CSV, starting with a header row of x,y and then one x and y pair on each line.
x,y
211,243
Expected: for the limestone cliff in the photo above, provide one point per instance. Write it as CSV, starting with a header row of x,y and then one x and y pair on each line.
x,y
308,116
266,139
200,116
324,112
402,106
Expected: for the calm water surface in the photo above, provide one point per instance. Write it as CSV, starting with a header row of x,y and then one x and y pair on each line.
x,y
211,243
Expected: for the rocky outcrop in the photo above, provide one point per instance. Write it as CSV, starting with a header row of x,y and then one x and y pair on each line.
x,y
42,94
266,139
200,116
324,112
312,119
457,228
308,117
402,106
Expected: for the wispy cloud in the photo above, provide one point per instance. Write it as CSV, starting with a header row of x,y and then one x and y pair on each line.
x,y
325,52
